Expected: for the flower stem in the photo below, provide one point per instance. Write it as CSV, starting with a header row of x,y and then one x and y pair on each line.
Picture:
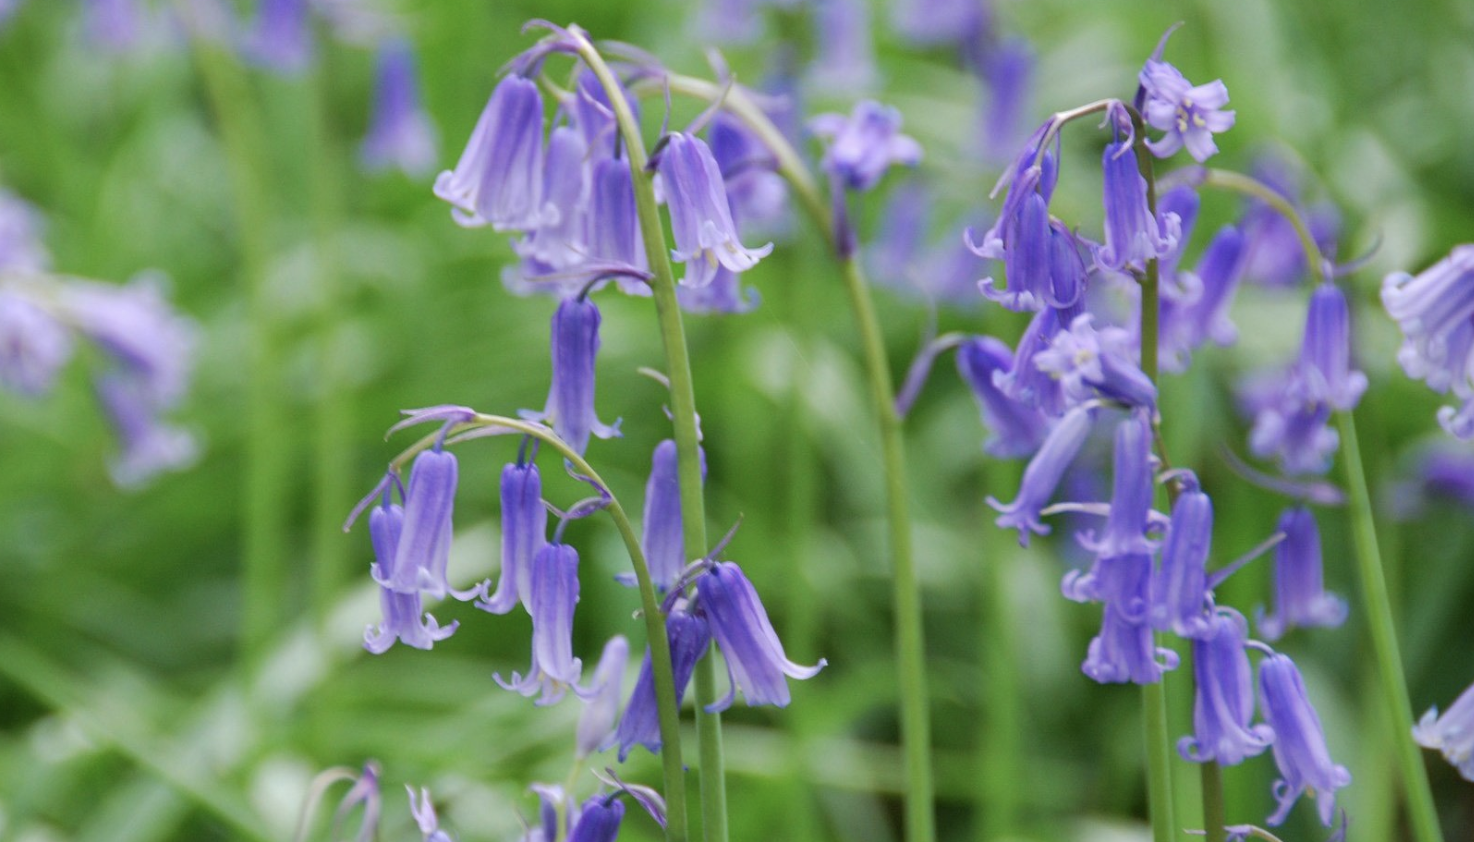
x,y
683,414
1214,817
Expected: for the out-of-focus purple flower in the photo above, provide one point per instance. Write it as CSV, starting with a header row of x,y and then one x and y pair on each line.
x,y
729,21
281,39
1452,733
33,344
404,616
114,25
935,22
1223,707
8,8
1017,428
400,133
845,60
1133,234
148,445
756,664
498,180
758,195
21,249
662,539
1300,597
423,811
364,792
1096,363
1180,599
1300,751
594,116
423,552
524,532
901,258
863,145
701,217
570,404
1323,372
1435,311
1031,172
689,637
1273,254
136,326
1296,435
1043,473
598,820
1190,115
559,241
1218,274
1025,382
1008,70
1443,472
601,711
554,596
725,294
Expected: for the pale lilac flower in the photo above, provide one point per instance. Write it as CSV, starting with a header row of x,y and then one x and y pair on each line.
x,y
281,40
33,344
757,194
1025,382
113,24
701,216
1273,253
524,532
570,405
601,711
613,224
929,22
1180,599
138,330
1190,115
756,664
1296,434
148,445
1097,363
663,540
1452,733
423,553
863,145
498,179
400,134
1300,750
1300,596
423,811
689,637
404,617
1043,473
554,596
558,242
1017,428
1435,311
1223,707
729,21
1133,234
1008,70
845,60
1125,650
365,792
21,249
1218,273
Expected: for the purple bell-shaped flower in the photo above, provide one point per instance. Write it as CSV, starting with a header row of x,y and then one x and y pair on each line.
x,y
524,532
700,214
756,664
498,179
1300,750
689,637
1223,708
570,406
1043,474
1300,597
404,616
554,596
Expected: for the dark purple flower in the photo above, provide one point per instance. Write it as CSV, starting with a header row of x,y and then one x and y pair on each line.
x,y
400,133
33,344
498,180
598,820
1133,234
1043,473
863,145
1025,382
1190,115
1030,173
554,596
756,664
1223,707
1093,363
1452,733
1017,428
282,37
689,638
1435,311
1300,751
700,215
601,711
148,445
1300,597
570,405
524,532
845,60
404,616
1180,600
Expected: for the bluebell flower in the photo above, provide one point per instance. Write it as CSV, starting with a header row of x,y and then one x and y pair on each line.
x,y
524,532
115,25
757,194
1043,474
1112,578
1017,428
1273,254
1190,115
498,179
1300,597
845,57
598,820
554,596
900,256
1125,650
1030,173
1452,733
613,223
404,616
1026,260
700,215
863,145
364,792
424,547
689,637
1008,70
1218,273
756,664
570,405
34,345
1097,363
1025,382
594,116
663,540
400,133
1435,311
558,242
1323,372
1223,706
423,811
138,330
1180,599
21,248
281,39
1296,434
1300,750
1183,202
601,710
1133,234
931,22
147,444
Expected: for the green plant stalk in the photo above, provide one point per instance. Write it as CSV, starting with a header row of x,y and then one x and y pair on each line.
x,y
1000,751
1422,811
683,414
910,643
264,550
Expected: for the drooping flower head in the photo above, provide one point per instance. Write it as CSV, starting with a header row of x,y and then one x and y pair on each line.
x,y
1452,733
1043,474
148,445
597,820
1133,233
700,214
863,145
1180,599
1213,281
662,539
1223,707
34,346
138,330
570,405
1019,225
554,595
613,225
1295,433
1300,597
281,39
524,532
498,180
1120,576
1190,115
404,616
756,663
1323,373
1300,750
559,241
400,133
601,711
423,550
1017,428
1008,70
1092,363
1125,650
1435,311
689,637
